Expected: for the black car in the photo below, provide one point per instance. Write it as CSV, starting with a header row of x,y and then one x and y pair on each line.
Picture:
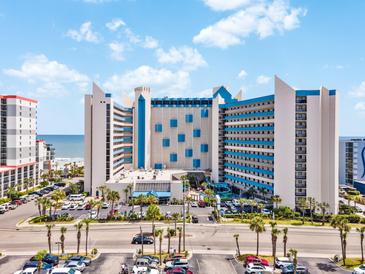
x,y
49,259
138,240
194,219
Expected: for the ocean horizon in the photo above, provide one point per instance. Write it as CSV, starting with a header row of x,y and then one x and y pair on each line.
x,y
66,146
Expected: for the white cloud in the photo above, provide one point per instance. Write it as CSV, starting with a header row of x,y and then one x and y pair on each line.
x,y
164,81
263,18
117,51
263,79
242,74
85,33
359,91
132,37
360,106
340,67
221,5
115,24
49,77
150,43
190,58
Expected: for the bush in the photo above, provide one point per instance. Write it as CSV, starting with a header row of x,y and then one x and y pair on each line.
x,y
94,251
353,218
284,212
4,200
346,209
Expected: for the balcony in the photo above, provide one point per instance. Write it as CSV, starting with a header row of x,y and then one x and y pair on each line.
x,y
300,177
300,185
300,169
301,194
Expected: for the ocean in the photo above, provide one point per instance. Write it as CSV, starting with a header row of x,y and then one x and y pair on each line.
x,y
67,146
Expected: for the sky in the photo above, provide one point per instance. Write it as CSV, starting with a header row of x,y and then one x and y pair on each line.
x,y
52,51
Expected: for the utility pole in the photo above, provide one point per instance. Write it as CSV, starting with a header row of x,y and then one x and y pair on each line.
x,y
184,214
141,232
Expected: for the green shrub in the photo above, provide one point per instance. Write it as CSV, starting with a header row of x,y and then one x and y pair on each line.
x,y
94,251
4,200
284,212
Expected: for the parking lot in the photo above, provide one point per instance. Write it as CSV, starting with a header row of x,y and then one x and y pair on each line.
x,y
199,264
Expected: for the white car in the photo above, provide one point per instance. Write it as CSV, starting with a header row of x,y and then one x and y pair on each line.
x,y
281,262
65,206
143,270
77,265
30,270
257,268
64,270
105,205
177,263
194,204
93,214
359,270
73,206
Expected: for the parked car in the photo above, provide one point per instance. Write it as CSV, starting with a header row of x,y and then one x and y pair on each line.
x,y
167,259
144,269
194,204
281,262
201,203
152,258
179,270
359,270
266,211
145,262
66,206
77,265
105,205
258,268
138,240
30,270
48,258
93,214
73,206
2,210
81,206
82,259
31,264
194,219
64,270
289,269
180,263
255,260
12,206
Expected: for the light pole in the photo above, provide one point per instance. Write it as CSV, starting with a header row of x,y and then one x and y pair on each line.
x,y
58,248
141,232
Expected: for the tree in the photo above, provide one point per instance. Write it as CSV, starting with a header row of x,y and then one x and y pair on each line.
x,y
87,227
49,236
12,193
294,254
98,205
312,204
242,202
303,206
276,199
175,216
170,233
285,239
78,227
38,203
26,183
75,188
236,236
104,190
179,229
322,207
343,227
113,196
62,239
153,212
258,226
126,191
361,230
274,237
39,257
159,232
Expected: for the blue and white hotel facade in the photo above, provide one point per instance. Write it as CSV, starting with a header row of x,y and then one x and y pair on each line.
x,y
285,143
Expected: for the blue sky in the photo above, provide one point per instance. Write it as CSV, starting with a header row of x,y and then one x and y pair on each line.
x,y
53,50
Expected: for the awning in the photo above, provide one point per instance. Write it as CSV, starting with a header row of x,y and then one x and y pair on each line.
x,y
158,194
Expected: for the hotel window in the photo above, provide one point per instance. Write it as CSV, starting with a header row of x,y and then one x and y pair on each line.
x,y
166,142
181,138
188,152
158,127
204,113
173,123
196,132
196,163
158,166
189,118
173,157
204,148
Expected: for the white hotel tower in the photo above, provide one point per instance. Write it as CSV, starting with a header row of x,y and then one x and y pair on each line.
x,y
285,143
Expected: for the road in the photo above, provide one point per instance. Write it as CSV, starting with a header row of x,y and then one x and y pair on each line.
x,y
201,238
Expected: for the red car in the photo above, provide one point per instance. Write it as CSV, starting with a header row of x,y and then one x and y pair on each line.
x,y
88,207
201,203
179,270
257,260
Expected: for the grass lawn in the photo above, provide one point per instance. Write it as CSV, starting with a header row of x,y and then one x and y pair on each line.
x,y
350,263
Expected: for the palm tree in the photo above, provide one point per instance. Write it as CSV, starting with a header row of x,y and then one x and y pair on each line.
x,y
312,204
113,196
274,237
26,184
258,226
104,190
159,232
98,205
343,227
130,187
242,202
276,199
179,229
361,230
62,239
294,254
285,239
126,191
87,226
39,257
303,206
153,212
175,216
323,206
49,236
170,233
236,236
78,227
38,203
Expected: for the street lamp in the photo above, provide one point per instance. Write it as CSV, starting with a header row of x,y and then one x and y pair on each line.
x,y
58,247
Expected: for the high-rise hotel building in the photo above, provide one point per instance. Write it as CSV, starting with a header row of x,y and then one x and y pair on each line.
x,y
285,143
22,156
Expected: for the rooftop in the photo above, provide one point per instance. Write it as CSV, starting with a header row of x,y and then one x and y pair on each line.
x,y
129,176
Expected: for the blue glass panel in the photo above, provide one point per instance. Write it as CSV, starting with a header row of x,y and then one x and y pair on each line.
x,y
196,132
188,152
181,138
173,123
196,163
158,127
173,157
166,142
